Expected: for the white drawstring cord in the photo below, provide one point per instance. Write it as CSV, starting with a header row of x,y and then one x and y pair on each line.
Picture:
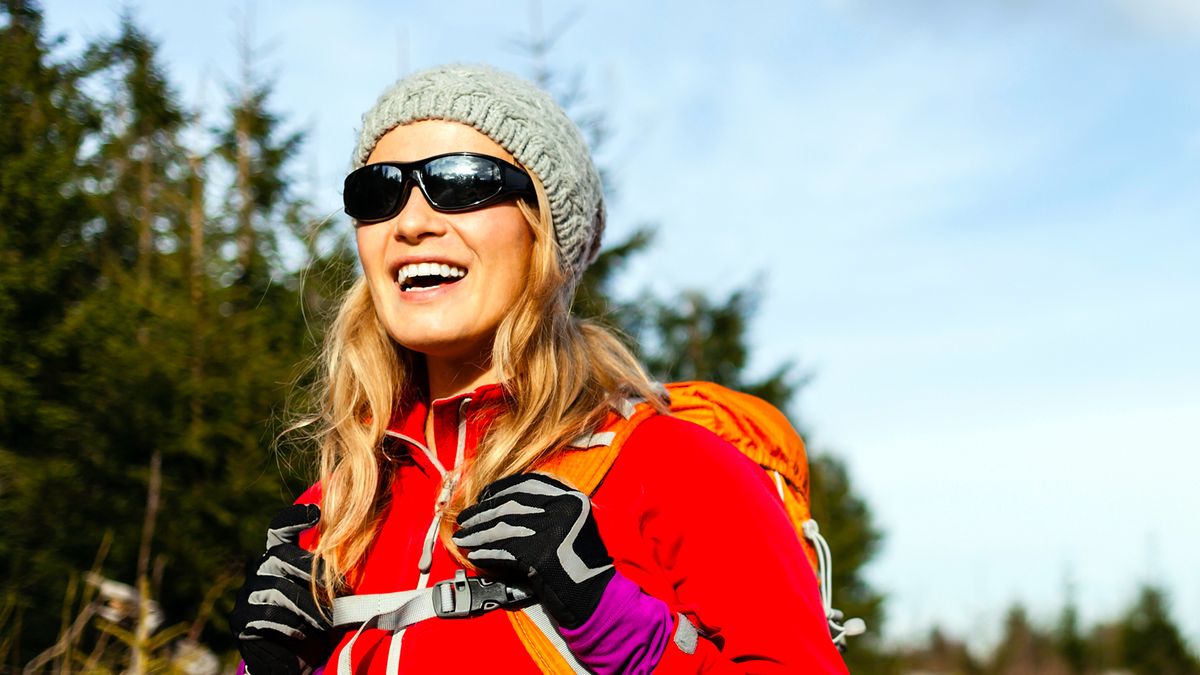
x,y
425,563
838,628
812,532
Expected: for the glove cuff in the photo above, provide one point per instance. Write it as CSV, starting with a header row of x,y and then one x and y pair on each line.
x,y
573,604
627,633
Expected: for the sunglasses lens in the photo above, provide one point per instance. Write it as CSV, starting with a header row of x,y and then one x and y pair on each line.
x,y
459,181
373,192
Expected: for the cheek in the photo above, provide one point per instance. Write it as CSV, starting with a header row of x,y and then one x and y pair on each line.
x,y
506,244
369,246
519,256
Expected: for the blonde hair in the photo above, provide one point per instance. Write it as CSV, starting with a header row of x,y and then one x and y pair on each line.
x,y
561,375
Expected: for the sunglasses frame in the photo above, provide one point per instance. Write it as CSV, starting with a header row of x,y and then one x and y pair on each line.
x,y
514,181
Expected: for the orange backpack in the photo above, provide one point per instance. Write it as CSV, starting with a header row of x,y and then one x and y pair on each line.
x,y
753,426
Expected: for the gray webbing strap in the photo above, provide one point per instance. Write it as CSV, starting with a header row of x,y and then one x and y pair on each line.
x,y
394,610
387,611
459,597
344,667
542,620
394,646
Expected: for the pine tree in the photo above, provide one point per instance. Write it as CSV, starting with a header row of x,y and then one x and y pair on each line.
x,y
1069,639
1025,649
1149,640
256,337
142,165
253,146
138,381
44,271
139,159
941,654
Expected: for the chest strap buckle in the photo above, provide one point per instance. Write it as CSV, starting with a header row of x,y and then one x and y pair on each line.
x,y
465,596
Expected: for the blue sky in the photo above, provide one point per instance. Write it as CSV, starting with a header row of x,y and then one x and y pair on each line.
x,y
976,224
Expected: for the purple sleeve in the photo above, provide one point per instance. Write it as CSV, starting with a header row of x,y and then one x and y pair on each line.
x,y
627,633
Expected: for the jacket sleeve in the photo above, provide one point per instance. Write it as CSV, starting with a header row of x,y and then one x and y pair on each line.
x,y
719,549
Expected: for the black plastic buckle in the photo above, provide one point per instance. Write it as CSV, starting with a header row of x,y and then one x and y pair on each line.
x,y
465,596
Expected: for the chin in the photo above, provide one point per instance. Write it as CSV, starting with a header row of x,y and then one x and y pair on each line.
x,y
444,346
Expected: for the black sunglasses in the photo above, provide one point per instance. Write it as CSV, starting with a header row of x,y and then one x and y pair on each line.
x,y
456,181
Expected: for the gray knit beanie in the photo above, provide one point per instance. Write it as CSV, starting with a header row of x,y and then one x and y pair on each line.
x,y
522,119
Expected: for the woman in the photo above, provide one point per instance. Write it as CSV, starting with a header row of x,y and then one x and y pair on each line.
x,y
453,372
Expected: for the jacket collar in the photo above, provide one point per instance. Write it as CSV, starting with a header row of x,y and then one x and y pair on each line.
x,y
457,420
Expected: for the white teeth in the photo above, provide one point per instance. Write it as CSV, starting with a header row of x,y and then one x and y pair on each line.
x,y
425,269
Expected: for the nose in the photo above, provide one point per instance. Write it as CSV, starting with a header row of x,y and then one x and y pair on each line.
x,y
417,220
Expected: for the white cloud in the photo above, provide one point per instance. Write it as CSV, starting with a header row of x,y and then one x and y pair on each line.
x,y
1134,20
1164,17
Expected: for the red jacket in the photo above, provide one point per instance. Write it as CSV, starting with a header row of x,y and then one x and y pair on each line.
x,y
684,515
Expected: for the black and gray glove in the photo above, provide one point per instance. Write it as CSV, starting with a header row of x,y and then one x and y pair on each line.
x,y
534,530
278,625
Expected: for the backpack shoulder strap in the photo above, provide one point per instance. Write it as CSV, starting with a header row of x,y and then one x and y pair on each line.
x,y
583,464
586,461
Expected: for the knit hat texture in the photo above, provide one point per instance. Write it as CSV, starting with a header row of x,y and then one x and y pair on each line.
x,y
522,119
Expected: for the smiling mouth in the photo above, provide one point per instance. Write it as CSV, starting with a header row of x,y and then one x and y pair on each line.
x,y
418,277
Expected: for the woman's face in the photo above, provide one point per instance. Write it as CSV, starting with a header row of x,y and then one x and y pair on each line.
x,y
487,252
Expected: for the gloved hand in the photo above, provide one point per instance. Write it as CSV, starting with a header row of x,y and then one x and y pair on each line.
x,y
532,529
276,620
